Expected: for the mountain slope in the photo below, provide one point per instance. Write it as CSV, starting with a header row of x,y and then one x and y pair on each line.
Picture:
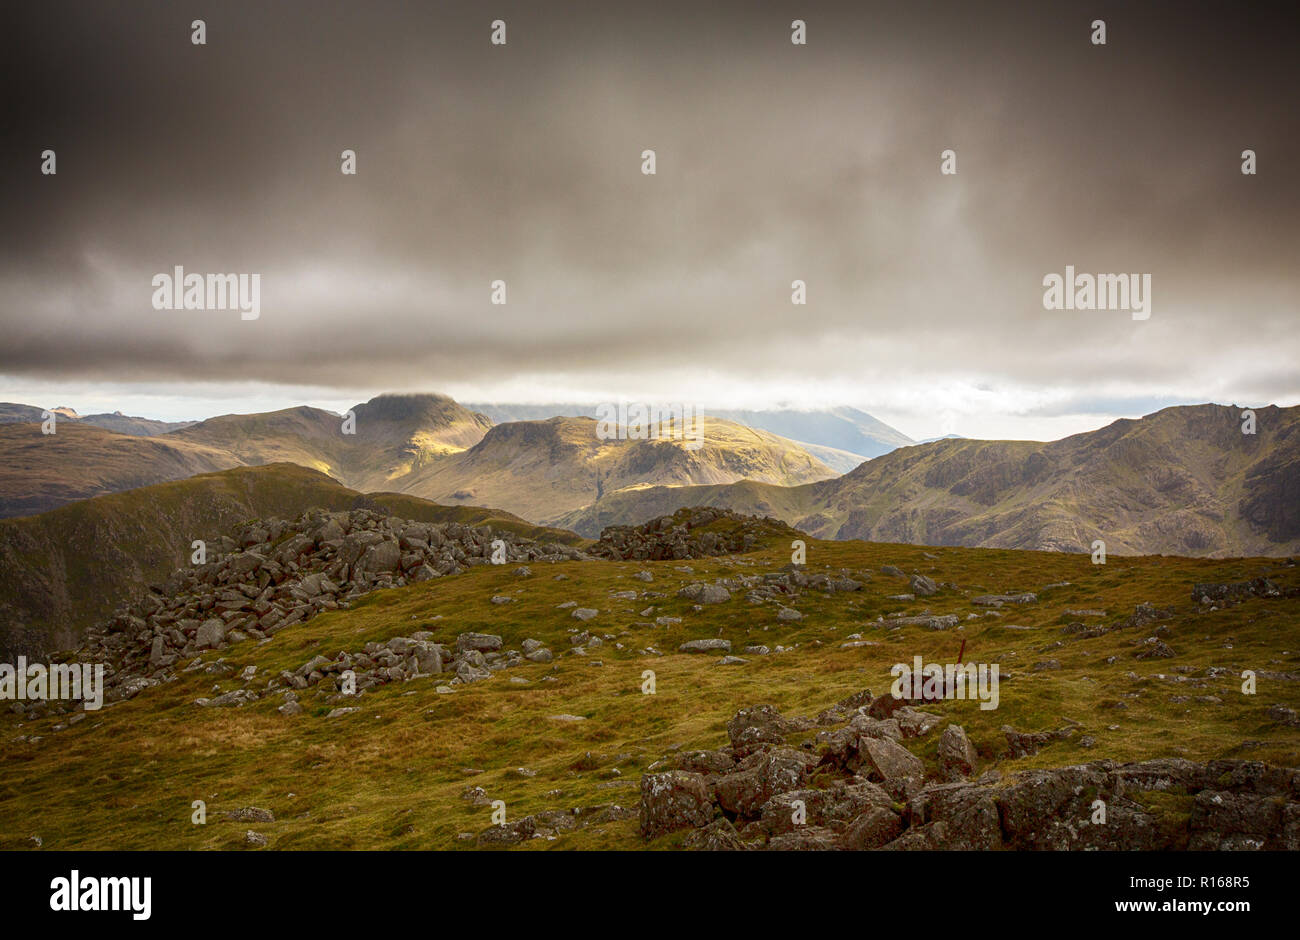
x,y
843,428
542,470
41,471
66,568
394,435
1181,481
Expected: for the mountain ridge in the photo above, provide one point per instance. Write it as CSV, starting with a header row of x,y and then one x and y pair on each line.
x,y
1183,480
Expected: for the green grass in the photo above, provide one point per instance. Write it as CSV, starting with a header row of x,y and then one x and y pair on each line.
x,y
392,774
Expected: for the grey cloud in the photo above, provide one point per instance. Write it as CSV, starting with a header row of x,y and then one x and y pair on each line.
x,y
774,163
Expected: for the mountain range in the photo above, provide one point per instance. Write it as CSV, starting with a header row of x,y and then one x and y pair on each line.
x,y
426,445
1185,480
11,412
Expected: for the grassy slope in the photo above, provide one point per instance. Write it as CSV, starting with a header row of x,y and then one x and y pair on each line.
x,y
391,775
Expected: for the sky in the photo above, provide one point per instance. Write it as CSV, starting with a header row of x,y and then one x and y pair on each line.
x,y
523,163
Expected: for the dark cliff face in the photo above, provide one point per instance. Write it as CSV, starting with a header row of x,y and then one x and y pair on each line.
x,y
1274,503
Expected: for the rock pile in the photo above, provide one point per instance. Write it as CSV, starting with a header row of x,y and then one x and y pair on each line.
x,y
1209,592
272,574
858,787
677,536
476,656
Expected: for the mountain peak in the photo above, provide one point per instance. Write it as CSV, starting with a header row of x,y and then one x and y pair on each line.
x,y
422,407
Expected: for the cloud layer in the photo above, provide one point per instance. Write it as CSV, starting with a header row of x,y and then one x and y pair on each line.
x,y
774,162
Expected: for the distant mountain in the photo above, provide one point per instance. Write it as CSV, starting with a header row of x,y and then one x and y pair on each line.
x,y
856,434
846,429
394,436
1181,481
425,445
67,568
12,412
41,471
841,461
544,469
123,424
138,427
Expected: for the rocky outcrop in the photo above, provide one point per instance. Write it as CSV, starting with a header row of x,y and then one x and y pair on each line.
x,y
269,575
678,536
865,790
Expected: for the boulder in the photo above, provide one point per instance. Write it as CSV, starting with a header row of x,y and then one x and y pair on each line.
x,y
956,754
889,763
673,800
705,646
744,791
482,642
874,828
922,586
210,634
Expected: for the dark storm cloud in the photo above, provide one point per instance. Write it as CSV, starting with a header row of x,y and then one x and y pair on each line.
x,y
775,162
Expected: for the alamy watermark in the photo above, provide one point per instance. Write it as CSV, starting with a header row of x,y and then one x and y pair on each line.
x,y
1098,292
181,291
934,681
38,682
638,421
77,893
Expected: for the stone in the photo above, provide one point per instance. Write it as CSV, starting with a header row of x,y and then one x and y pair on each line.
x,y
922,586
874,828
957,756
482,642
745,790
210,634
705,646
673,800
705,593
892,765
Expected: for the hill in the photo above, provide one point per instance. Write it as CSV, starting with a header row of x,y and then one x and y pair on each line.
x,y
542,470
1184,481
11,412
79,461
66,568
828,432
395,435
139,427
424,445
